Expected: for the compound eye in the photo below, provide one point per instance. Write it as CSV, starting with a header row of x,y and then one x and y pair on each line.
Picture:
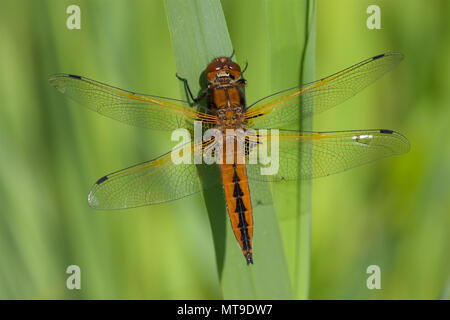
x,y
234,66
215,65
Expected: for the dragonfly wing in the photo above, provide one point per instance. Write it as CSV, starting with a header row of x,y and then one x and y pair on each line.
x,y
306,155
290,105
156,181
131,108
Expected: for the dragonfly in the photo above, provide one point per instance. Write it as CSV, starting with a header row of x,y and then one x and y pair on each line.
x,y
302,154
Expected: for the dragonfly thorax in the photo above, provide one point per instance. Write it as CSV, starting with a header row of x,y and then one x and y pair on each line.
x,y
230,118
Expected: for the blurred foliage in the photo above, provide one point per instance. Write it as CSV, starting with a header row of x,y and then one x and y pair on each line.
x,y
394,213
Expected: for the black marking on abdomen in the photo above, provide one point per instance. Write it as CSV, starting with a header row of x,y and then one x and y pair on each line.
x,y
235,176
240,210
237,193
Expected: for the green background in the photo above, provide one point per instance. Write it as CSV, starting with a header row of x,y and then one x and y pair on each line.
x,y
394,213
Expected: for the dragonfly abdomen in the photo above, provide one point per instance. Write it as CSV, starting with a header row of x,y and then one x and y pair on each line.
x,y
237,196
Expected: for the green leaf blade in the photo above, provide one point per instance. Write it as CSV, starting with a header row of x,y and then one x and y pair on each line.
x,y
199,33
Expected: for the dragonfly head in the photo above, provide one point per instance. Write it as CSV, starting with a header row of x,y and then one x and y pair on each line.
x,y
222,67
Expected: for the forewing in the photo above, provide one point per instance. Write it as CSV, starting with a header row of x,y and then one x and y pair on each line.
x,y
131,108
288,106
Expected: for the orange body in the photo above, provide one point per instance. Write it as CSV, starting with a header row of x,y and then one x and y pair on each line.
x,y
225,96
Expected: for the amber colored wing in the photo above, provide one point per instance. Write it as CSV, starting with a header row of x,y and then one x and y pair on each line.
x,y
306,155
156,181
131,108
290,105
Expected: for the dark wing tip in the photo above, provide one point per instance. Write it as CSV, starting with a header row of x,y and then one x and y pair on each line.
x,y
386,54
401,138
74,76
101,180
378,56
59,76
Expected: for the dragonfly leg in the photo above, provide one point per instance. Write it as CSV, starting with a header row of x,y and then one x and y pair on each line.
x,y
245,68
188,88
241,82
232,54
